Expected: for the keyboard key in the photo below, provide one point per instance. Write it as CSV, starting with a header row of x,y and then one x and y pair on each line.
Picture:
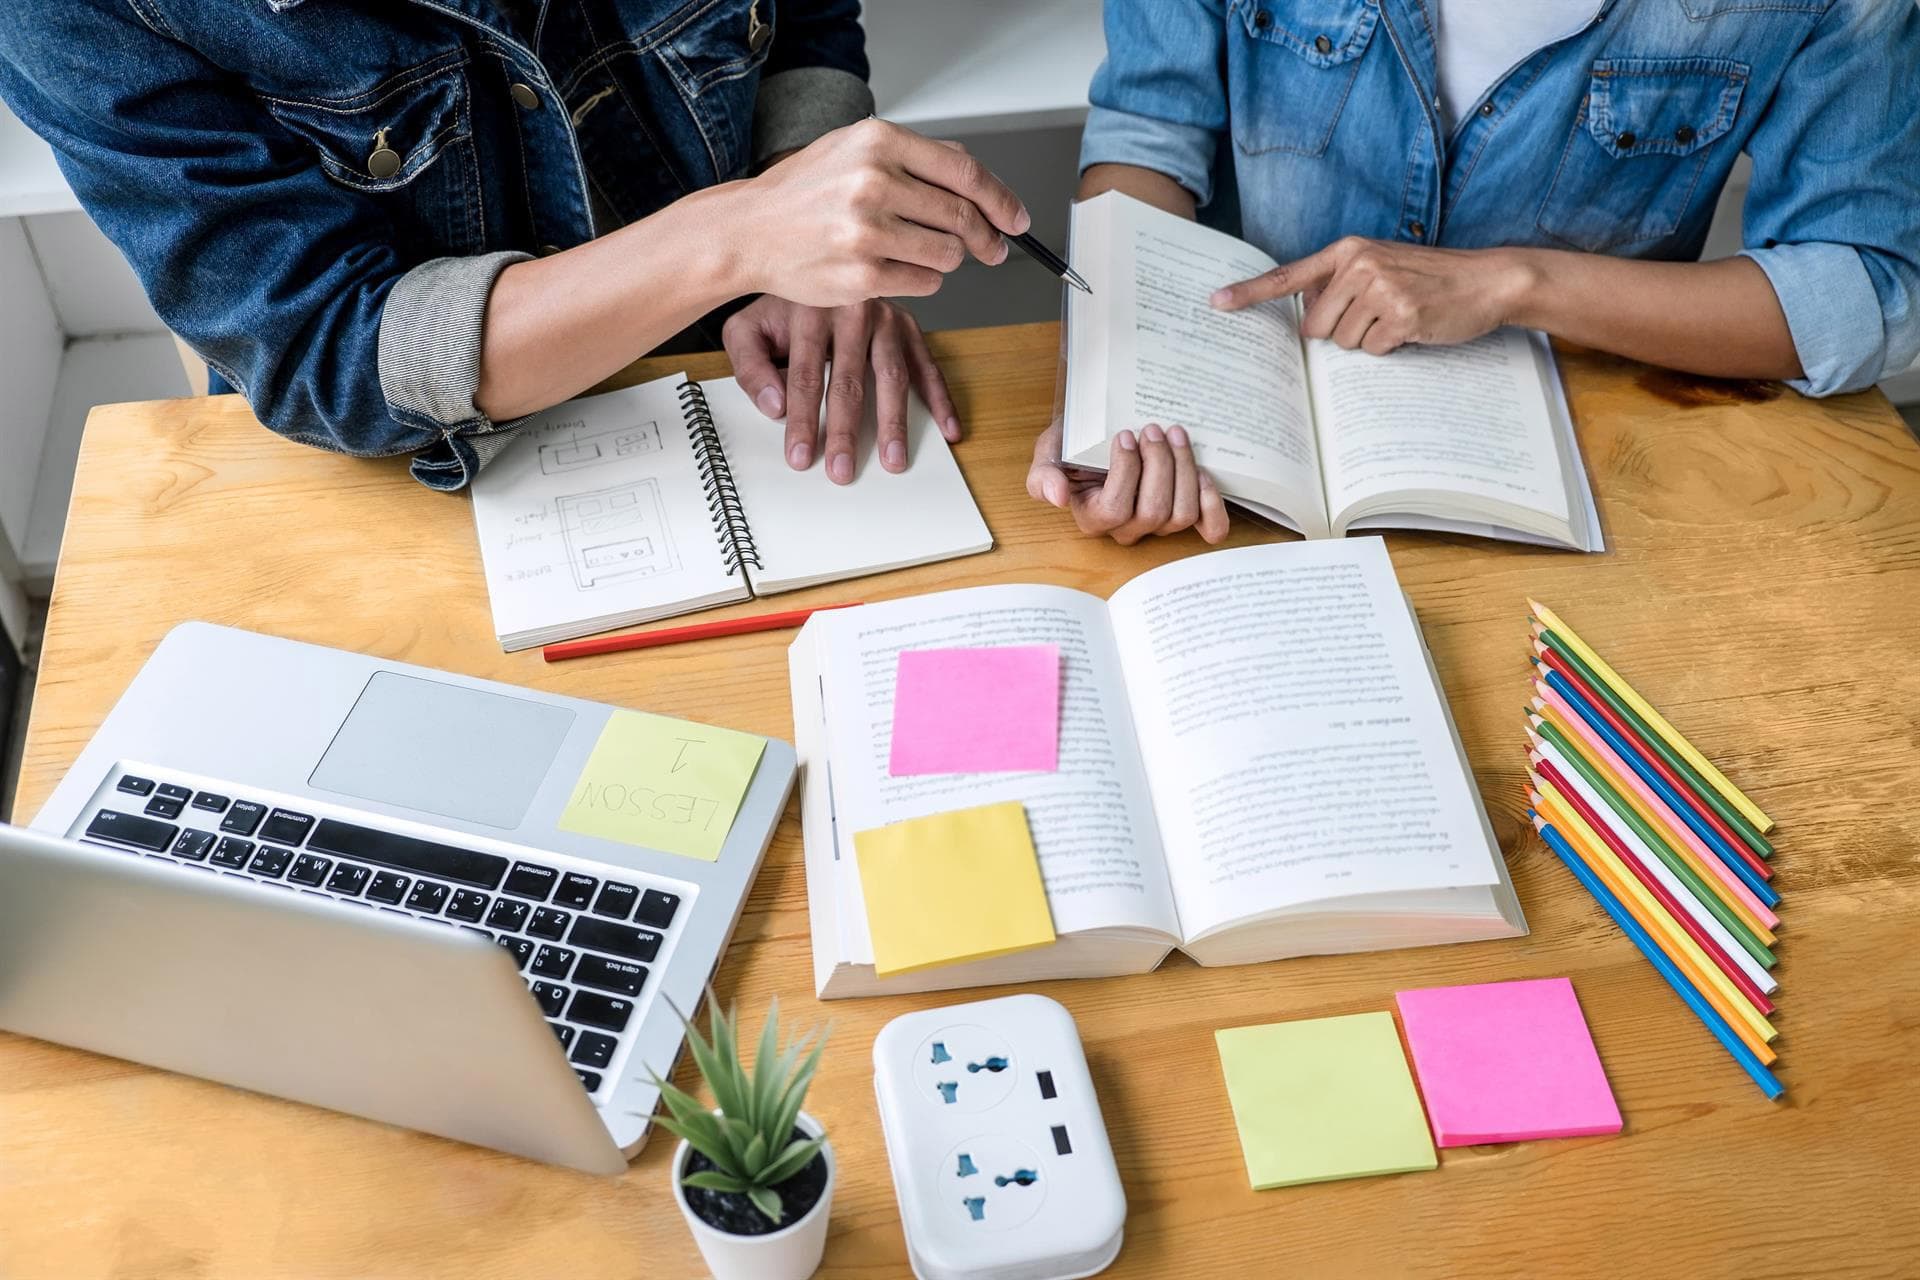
x,y
270,862
553,962
529,881
615,939
427,896
307,869
349,878
207,802
575,891
163,807
596,1010
656,908
552,997
126,828
468,905
388,887
621,977
549,924
519,948
244,818
507,913
594,1049
616,900
485,933
193,845
136,786
232,853
174,791
563,1031
287,827
404,853
591,1079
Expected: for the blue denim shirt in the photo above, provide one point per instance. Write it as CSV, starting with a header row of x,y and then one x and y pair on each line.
x,y
1320,118
285,174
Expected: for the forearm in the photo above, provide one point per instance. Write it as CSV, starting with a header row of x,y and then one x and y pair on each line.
x,y
557,325
1719,318
1156,189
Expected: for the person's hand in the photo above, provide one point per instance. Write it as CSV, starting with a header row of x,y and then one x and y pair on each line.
x,y
1152,487
876,335
1377,295
871,210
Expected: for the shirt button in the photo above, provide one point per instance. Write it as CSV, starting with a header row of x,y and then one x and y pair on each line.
x,y
1322,45
1486,108
1626,141
1262,20
548,250
524,96
1683,135
1417,229
385,161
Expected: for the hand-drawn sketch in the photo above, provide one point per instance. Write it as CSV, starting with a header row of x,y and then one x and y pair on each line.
x,y
567,450
616,533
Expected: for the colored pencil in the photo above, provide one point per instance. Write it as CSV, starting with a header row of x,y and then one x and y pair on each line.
x,y
1698,923
1743,931
1701,786
1748,809
1746,1020
1632,765
680,635
1551,659
1749,1062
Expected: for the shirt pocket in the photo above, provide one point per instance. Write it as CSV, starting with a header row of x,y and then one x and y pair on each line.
x,y
1290,66
1644,138
714,55
406,145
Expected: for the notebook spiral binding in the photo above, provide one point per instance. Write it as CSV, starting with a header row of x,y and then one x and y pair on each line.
x,y
716,481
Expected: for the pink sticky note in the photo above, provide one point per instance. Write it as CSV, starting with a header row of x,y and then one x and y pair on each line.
x,y
992,710
1505,1062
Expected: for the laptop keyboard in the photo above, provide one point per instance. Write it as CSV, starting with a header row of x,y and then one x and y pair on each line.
x,y
584,944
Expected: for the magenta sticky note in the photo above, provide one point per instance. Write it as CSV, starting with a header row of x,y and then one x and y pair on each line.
x,y
983,710
1505,1062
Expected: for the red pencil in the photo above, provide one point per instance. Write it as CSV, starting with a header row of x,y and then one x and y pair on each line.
x,y
676,635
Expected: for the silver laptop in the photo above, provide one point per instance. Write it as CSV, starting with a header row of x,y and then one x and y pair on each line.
x,y
342,881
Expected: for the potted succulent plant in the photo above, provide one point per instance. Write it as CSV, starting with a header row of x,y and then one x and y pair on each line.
x,y
753,1176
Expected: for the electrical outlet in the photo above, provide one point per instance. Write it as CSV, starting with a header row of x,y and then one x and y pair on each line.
x,y
1000,1157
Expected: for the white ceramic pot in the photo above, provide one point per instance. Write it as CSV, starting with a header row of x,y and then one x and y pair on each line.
x,y
791,1253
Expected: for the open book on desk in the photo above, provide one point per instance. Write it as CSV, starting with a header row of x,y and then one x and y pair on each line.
x,y
1256,761
618,509
1468,439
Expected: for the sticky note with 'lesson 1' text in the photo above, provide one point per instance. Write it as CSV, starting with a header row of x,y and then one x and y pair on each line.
x,y
664,784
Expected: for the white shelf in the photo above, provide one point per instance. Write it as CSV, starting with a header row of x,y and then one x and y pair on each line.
x,y
30,181
957,67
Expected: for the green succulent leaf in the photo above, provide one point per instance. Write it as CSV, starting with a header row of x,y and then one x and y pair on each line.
x,y
797,1155
767,1201
767,1067
788,1110
754,1158
713,1180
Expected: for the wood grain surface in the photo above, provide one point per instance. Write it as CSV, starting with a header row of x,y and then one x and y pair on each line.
x,y
1762,588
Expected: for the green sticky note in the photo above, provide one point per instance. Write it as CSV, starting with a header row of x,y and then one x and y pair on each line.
x,y
669,785
1323,1098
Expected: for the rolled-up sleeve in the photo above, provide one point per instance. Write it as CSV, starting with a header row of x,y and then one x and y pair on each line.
x,y
1833,215
1159,101
815,79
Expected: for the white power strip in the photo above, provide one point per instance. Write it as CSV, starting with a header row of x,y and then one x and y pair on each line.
x,y
1000,1158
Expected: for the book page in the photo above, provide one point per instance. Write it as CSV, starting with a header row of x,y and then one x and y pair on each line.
x,y
807,529
1147,347
595,511
1471,420
1297,746
1093,827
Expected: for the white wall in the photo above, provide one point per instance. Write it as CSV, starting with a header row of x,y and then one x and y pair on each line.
x,y
30,346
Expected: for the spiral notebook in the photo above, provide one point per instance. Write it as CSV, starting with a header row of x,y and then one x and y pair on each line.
x,y
662,499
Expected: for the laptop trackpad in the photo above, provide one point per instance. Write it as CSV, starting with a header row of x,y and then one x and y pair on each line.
x,y
443,749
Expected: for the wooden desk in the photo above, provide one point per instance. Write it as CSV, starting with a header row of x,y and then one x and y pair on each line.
x,y
1763,588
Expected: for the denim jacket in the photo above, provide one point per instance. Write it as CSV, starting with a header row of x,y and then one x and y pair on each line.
x,y
1320,118
318,194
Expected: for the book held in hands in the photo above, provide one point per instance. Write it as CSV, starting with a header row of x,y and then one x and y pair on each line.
x,y
1255,761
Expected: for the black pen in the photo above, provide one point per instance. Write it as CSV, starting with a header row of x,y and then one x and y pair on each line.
x,y
1051,261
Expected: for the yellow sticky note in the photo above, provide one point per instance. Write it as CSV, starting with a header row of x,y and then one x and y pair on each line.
x,y
1323,1098
955,886
668,785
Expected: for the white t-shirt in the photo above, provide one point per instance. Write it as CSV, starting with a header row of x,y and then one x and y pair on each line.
x,y
1480,41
